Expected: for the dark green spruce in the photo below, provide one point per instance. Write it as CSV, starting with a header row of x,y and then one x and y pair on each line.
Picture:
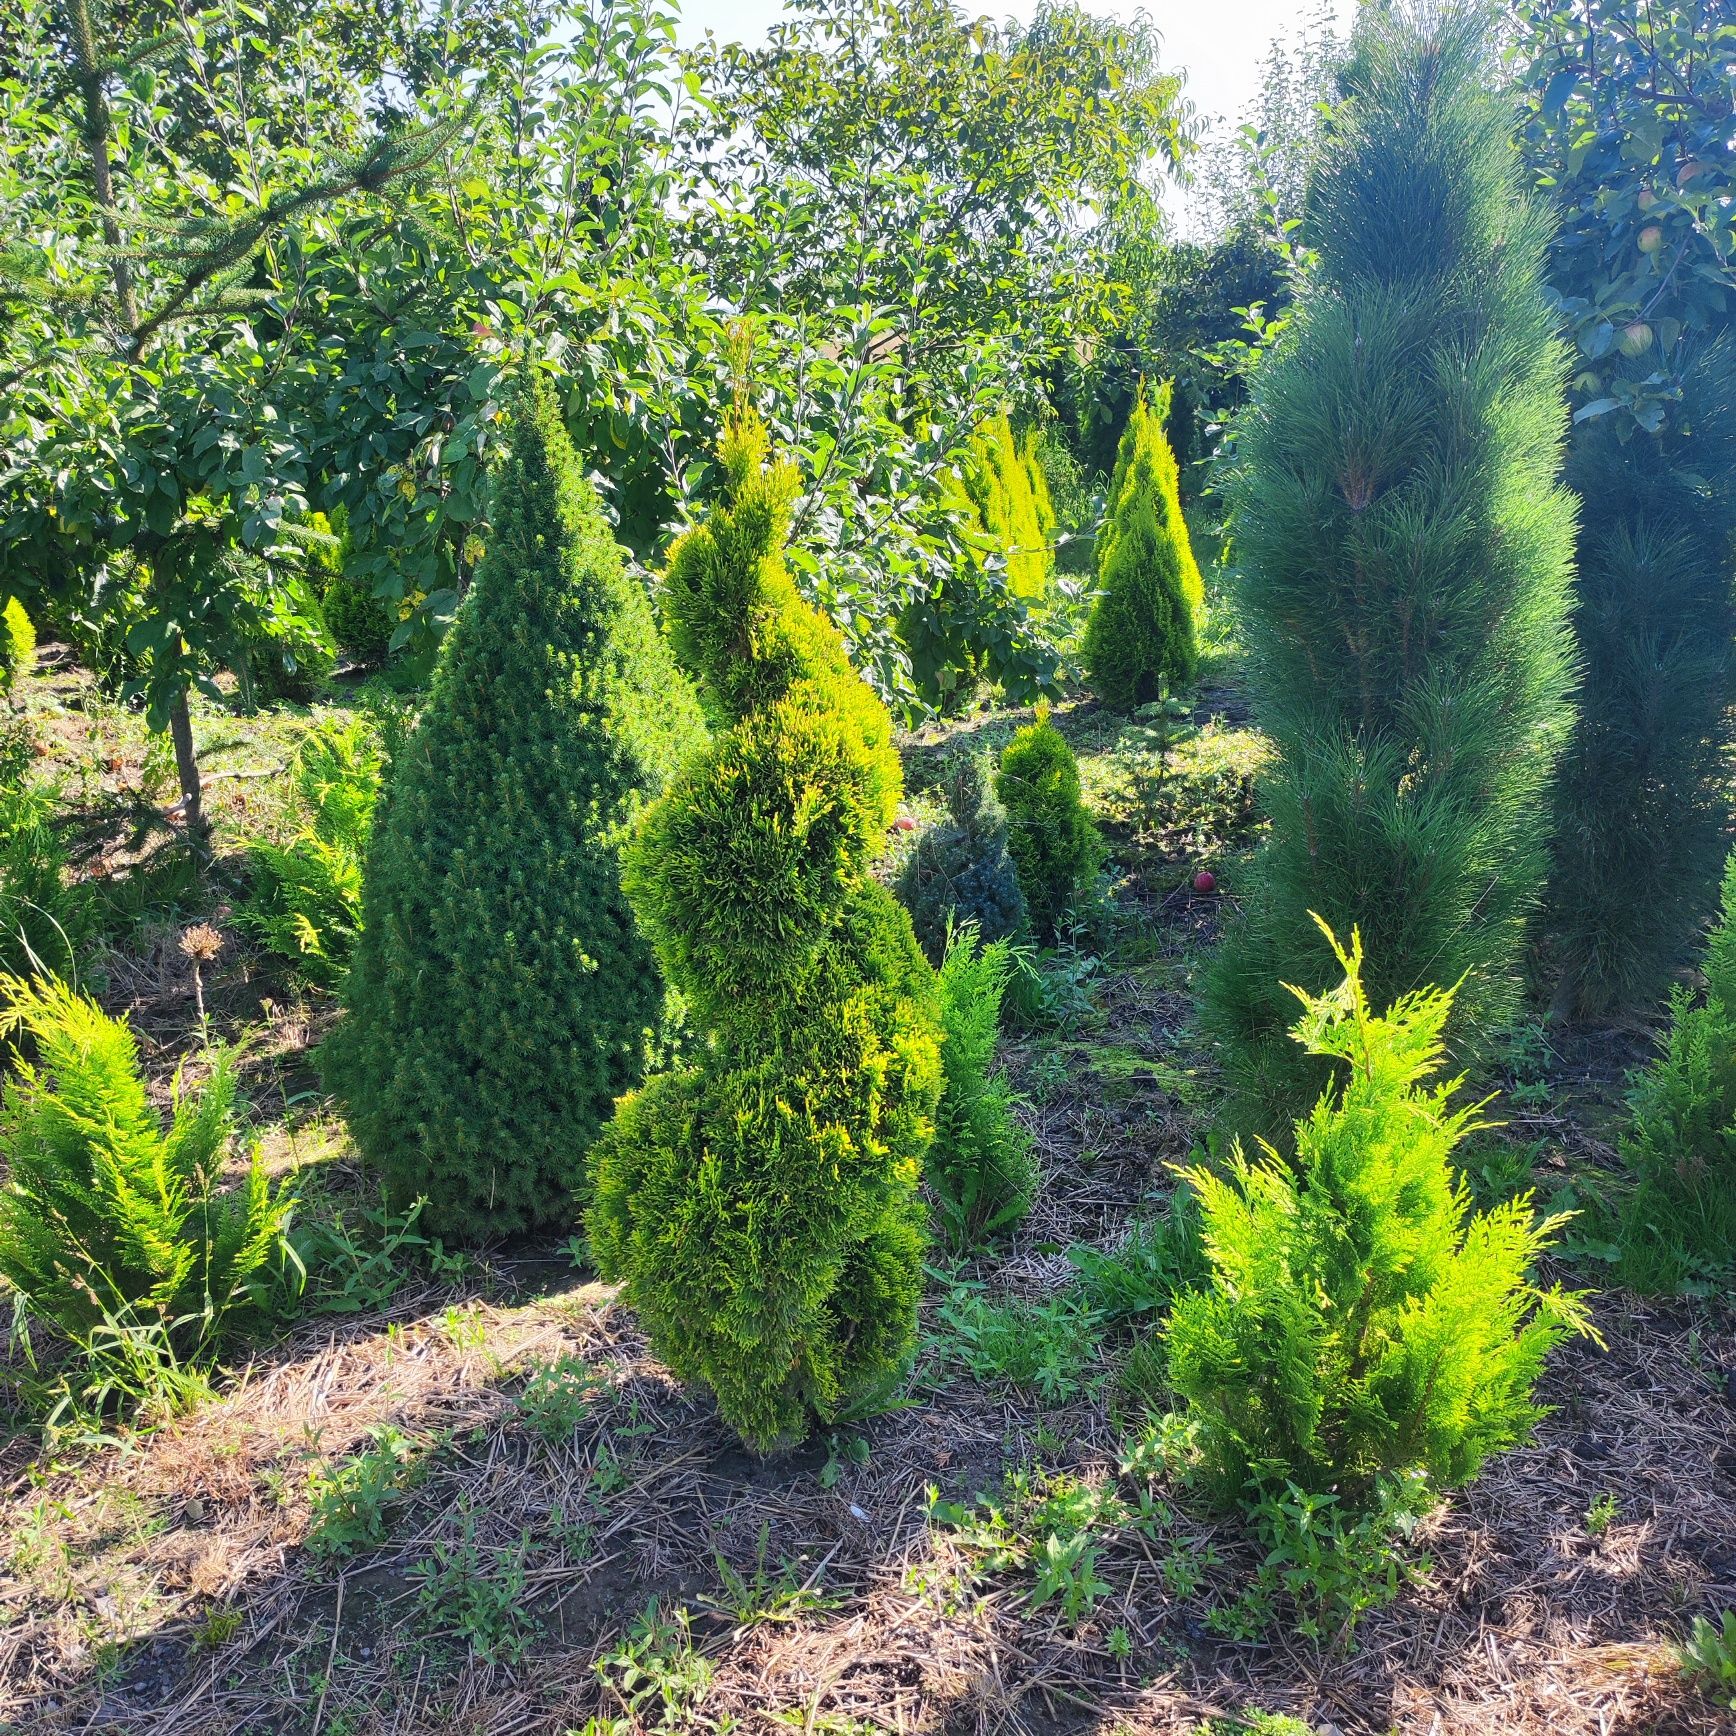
x,y
501,996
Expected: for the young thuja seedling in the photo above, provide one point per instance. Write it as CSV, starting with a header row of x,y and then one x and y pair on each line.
x,y
1602,1514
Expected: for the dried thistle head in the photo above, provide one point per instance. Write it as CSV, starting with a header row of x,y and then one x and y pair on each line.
x,y
201,943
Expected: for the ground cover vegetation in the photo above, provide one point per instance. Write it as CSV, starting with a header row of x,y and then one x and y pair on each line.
x,y
815,919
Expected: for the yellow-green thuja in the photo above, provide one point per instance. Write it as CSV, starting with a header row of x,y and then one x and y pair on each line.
x,y
759,1206
1141,634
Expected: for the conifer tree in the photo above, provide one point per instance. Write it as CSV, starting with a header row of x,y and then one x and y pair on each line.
x,y
1362,1326
1641,804
1679,1221
500,997
1405,551
1011,496
760,1206
1150,593
1056,849
961,869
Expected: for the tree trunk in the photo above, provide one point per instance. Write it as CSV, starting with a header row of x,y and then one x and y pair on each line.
x,y
187,765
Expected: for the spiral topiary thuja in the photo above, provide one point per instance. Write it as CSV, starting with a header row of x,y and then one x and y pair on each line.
x,y
500,997
760,1206
1150,593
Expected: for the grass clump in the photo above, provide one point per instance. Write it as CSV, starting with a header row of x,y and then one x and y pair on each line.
x,y
501,996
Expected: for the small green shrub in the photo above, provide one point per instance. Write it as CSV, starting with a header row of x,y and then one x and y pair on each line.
x,y
981,1167
760,1206
361,623
1708,1659
351,1502
1048,1347
289,652
961,870
500,995
1054,845
1141,634
1362,1325
17,646
44,919
306,898
108,1219
1679,1222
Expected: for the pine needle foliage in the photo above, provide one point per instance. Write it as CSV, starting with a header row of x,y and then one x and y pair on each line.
x,y
501,997
1141,633
760,1206
1362,1322
1054,846
1641,803
1405,555
109,1220
961,870
1678,1225
982,1170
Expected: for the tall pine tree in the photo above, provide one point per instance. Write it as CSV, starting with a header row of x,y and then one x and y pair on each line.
x,y
501,996
1406,557
1642,802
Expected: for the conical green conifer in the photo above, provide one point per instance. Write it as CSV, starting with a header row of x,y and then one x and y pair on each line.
x,y
760,1206
1011,496
501,996
1405,551
1150,593
1643,797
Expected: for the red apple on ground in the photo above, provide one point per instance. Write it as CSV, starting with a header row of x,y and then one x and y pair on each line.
x,y
1205,881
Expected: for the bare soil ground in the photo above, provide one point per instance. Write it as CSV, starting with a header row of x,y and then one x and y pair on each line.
x,y
162,1584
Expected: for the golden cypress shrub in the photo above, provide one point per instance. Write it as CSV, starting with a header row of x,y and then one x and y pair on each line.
x,y
17,646
1150,593
760,1206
